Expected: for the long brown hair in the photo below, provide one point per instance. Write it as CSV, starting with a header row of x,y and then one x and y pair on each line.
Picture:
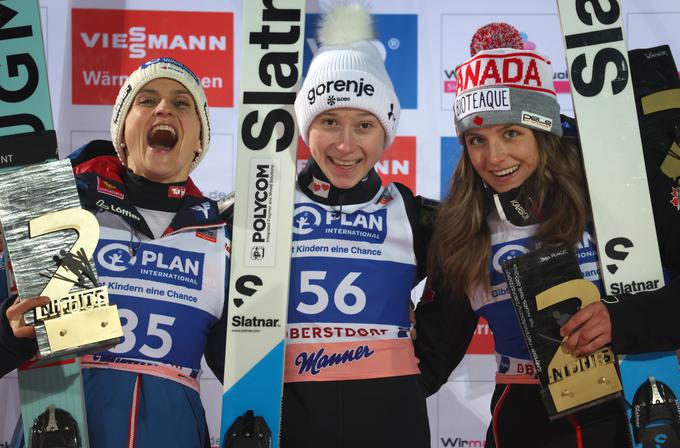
x,y
459,253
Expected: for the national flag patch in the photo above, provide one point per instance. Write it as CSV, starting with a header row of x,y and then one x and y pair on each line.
x,y
320,188
208,235
675,198
177,191
106,187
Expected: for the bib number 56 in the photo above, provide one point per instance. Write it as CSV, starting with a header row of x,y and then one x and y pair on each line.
x,y
341,295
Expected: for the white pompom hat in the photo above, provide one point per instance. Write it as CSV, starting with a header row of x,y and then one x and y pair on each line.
x,y
348,72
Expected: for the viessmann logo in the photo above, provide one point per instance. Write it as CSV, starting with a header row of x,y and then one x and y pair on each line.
x,y
108,44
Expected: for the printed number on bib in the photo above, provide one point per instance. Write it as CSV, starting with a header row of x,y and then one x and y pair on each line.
x,y
154,329
348,298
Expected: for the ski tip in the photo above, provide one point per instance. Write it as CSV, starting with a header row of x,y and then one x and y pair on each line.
x,y
496,35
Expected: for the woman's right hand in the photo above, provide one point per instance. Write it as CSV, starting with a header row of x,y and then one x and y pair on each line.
x,y
15,315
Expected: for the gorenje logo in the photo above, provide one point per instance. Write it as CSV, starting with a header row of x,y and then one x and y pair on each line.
x,y
108,44
151,262
398,43
356,87
313,222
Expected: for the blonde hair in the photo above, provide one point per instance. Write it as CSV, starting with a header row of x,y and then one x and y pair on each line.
x,y
555,193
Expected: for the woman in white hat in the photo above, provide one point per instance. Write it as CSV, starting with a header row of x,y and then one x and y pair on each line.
x,y
351,375
161,253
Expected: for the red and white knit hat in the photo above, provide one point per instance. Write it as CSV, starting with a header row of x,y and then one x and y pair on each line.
x,y
504,83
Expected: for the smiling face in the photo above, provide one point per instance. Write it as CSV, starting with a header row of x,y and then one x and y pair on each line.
x,y
162,132
346,143
504,156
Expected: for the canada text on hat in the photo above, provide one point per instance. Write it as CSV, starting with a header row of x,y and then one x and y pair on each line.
x,y
505,85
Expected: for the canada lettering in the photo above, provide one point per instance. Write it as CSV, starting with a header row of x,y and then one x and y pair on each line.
x,y
604,57
279,63
517,70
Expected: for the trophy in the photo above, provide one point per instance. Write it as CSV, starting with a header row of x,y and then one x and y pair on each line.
x,y
49,239
547,289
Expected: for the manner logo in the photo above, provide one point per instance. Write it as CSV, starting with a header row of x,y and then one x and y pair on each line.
x,y
397,43
108,44
151,262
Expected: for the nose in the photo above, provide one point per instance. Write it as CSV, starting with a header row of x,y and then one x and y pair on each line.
x,y
164,107
346,140
496,151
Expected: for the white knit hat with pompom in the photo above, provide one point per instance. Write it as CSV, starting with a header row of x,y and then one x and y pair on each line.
x,y
348,72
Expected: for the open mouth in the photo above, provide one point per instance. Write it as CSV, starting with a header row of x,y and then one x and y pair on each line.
x,y
505,172
162,137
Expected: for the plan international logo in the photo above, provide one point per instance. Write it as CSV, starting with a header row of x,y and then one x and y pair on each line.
x,y
151,262
313,222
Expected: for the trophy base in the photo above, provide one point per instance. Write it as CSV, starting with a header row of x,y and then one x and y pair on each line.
x,y
582,382
86,331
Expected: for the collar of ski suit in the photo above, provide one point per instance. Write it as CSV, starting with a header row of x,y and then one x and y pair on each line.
x,y
513,206
315,185
105,184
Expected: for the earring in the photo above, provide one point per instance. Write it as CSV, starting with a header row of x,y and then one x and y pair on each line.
x,y
199,150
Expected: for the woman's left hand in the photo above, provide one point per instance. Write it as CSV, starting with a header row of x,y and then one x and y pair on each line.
x,y
15,316
588,330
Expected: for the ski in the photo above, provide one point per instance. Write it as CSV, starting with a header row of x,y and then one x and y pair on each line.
x,y
271,65
51,391
604,104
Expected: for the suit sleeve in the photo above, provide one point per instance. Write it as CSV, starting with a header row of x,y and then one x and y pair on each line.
x,y
445,326
13,351
215,348
647,321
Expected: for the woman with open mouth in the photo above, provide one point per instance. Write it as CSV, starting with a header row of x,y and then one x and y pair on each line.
x,y
163,254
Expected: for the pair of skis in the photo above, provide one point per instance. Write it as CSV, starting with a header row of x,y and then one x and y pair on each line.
x,y
271,67
51,391
604,103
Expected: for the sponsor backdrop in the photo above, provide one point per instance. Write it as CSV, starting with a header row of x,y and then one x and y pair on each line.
x,y
91,45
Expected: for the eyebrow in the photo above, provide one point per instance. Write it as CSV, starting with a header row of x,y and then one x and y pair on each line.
x,y
332,113
154,91
503,129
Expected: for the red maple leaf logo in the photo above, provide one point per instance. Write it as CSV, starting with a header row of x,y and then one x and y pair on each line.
x,y
675,197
